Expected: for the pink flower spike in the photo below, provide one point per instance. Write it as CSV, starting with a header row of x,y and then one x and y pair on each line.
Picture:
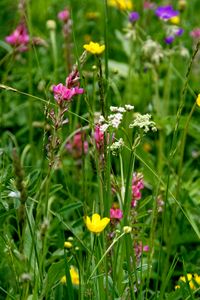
x,y
19,38
64,15
98,137
116,213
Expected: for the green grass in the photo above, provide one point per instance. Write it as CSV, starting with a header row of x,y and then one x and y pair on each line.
x,y
53,173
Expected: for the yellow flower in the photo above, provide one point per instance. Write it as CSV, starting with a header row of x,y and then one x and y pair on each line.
x,y
68,245
96,224
175,20
183,278
198,100
121,4
197,278
94,48
127,229
74,277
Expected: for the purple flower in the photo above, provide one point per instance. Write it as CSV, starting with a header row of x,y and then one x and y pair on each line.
x,y
169,39
166,12
179,32
133,16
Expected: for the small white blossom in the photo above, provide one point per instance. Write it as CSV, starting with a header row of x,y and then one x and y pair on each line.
x,y
129,107
144,122
104,127
101,119
153,51
115,119
14,194
117,146
117,109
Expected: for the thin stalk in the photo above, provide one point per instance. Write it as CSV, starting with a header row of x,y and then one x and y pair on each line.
x,y
105,253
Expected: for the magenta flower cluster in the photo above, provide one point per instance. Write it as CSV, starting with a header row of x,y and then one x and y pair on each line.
x,y
19,38
116,213
68,91
137,186
61,92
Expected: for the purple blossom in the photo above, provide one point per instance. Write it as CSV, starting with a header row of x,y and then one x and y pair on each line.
x,y
169,39
166,12
133,16
179,32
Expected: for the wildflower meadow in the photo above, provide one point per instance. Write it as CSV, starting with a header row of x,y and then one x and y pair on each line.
x,y
99,150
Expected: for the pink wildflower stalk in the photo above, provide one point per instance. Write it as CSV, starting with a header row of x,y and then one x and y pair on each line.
x,y
19,38
116,213
98,137
64,15
137,186
139,249
78,146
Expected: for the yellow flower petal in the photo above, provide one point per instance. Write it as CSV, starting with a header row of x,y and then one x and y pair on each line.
x,y
95,218
198,100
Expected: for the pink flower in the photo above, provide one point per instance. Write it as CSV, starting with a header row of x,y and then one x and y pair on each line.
x,y
19,38
137,186
64,15
116,213
148,5
61,92
139,249
78,146
99,137
195,33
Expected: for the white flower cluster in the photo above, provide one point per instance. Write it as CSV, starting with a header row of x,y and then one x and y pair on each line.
x,y
144,122
153,51
116,147
115,119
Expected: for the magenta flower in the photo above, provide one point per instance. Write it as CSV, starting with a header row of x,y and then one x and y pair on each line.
x,y
64,15
166,12
133,16
19,38
61,92
116,213
98,137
